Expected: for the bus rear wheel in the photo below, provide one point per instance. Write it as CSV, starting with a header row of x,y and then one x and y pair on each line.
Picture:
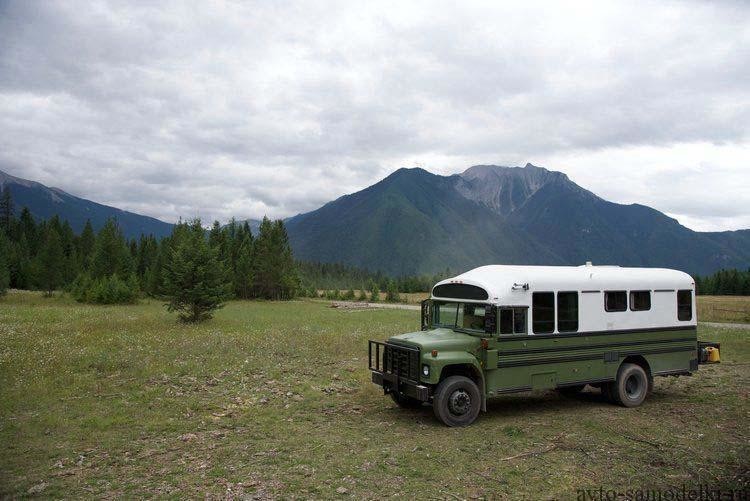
x,y
631,386
457,401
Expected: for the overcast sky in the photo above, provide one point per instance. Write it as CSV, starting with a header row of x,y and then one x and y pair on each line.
x,y
239,109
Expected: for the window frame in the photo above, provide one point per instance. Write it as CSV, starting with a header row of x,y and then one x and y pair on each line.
x,y
500,321
525,311
557,312
631,302
625,292
514,310
534,316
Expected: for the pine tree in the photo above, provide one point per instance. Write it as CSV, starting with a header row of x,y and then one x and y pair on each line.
x,y
50,262
274,270
362,294
86,245
110,254
391,292
4,264
20,264
374,291
243,271
287,267
28,228
6,209
195,280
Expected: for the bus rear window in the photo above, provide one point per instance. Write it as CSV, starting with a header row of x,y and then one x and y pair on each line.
x,y
685,305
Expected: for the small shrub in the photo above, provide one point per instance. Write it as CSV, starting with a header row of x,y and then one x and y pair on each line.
x,y
392,295
374,292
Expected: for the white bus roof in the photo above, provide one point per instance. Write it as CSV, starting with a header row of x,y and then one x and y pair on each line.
x,y
500,280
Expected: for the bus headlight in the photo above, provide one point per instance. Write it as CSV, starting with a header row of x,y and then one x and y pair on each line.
x,y
425,370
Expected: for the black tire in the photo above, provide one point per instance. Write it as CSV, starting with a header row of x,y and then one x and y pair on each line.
x,y
631,386
405,402
570,391
457,401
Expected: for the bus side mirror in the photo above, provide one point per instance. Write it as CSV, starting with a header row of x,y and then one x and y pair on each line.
x,y
490,320
426,304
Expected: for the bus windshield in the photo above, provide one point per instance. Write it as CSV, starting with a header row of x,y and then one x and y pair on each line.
x,y
465,316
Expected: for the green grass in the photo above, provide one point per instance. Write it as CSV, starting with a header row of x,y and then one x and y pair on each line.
x,y
275,400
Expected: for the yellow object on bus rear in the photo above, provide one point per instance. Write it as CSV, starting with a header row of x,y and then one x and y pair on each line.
x,y
713,354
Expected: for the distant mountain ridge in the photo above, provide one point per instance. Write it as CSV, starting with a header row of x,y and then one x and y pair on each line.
x,y
44,202
414,221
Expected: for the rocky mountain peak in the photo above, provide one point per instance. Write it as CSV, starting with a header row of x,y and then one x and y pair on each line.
x,y
504,189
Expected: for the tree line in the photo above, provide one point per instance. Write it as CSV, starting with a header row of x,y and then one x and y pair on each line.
x,y
724,283
104,267
194,269
316,276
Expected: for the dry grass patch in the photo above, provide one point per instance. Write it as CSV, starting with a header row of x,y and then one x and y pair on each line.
x,y
733,309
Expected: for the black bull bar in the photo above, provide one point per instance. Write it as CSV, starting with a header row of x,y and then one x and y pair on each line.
x,y
396,368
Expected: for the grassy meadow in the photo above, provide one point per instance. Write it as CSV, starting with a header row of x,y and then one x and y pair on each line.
x,y
274,400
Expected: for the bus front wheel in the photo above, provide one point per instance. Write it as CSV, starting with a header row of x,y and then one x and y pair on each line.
x,y
457,401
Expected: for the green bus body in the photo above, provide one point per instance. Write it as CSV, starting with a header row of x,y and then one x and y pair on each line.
x,y
514,363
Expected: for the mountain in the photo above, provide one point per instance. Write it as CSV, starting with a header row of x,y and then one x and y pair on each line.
x,y
417,222
44,202
412,221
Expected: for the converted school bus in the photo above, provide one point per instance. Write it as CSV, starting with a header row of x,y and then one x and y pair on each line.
x,y
504,329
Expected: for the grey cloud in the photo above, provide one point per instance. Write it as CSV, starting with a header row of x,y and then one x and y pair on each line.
x,y
223,110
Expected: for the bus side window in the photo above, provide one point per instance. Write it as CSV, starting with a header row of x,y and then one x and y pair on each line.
x,y
615,301
685,305
640,300
506,321
543,319
567,311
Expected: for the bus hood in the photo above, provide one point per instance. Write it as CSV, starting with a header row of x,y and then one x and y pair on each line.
x,y
438,339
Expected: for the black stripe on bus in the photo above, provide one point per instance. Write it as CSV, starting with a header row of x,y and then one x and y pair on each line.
x,y
592,346
597,356
531,337
586,381
513,390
